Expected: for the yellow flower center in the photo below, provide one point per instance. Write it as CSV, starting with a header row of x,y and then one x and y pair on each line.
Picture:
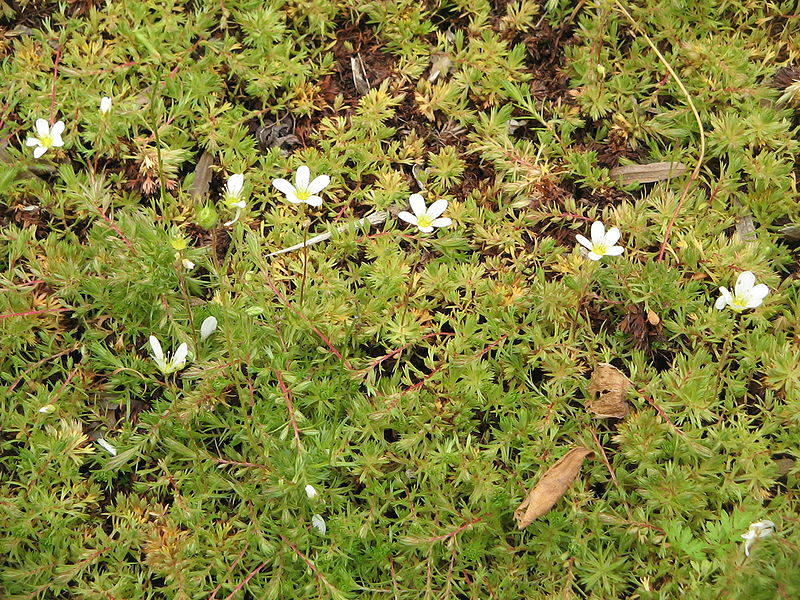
x,y
46,141
738,303
599,249
424,221
303,195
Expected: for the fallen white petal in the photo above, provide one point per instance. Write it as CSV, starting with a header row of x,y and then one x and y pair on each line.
x,y
207,327
106,446
319,524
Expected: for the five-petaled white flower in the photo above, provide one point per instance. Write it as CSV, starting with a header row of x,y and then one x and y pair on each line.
x,y
304,189
425,217
746,294
757,530
176,363
105,104
49,137
602,243
233,195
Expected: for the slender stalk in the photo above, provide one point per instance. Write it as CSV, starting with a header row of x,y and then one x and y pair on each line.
x,y
306,224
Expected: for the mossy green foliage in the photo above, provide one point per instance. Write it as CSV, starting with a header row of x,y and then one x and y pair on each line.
x,y
424,380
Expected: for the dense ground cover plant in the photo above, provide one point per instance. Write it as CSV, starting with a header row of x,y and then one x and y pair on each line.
x,y
185,414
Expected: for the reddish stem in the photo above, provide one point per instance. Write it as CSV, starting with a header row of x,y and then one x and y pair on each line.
x,y
289,405
33,312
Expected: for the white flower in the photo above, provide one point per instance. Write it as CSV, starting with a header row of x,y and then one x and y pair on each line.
x,y
233,196
746,294
106,446
302,190
207,327
311,492
602,243
49,137
105,104
176,363
425,217
319,524
757,530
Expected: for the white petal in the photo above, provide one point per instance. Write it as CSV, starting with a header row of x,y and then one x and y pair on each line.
x,y
57,129
47,409
235,184
106,446
437,208
42,128
179,359
612,236
37,153
724,299
615,251
311,491
426,229
407,217
442,222
417,204
284,186
319,524
598,232
32,141
155,346
319,184
234,219
57,142
302,177
765,523
105,104
207,327
584,242
744,282
594,256
314,201
759,292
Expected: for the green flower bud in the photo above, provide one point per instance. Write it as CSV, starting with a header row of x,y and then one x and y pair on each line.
x,y
207,216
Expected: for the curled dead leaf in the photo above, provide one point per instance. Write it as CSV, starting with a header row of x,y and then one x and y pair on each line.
x,y
553,484
648,173
360,80
608,388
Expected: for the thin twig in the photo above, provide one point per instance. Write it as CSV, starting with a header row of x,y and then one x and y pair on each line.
x,y
696,172
56,62
250,575
289,405
372,219
33,312
230,570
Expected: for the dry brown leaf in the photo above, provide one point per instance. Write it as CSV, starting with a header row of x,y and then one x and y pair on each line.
x,y
608,389
553,484
202,177
440,65
360,79
648,173
653,318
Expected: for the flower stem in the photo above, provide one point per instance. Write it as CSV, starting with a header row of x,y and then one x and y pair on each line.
x,y
306,224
